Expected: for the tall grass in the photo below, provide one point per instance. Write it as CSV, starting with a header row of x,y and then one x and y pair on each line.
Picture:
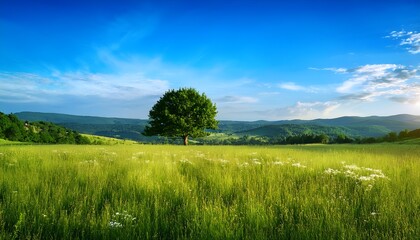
x,y
200,192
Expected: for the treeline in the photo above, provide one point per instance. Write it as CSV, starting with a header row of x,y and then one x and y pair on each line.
x,y
392,137
311,138
13,129
264,140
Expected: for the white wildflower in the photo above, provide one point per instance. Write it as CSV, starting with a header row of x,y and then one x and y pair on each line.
x,y
120,219
365,178
377,176
351,174
352,167
278,163
332,171
223,161
185,161
298,165
115,224
90,162
245,164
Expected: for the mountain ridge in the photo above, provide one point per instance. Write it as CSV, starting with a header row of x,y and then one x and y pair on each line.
x,y
129,128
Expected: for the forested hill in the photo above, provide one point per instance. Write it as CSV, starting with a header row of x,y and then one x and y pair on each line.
x,y
382,124
66,118
14,129
124,128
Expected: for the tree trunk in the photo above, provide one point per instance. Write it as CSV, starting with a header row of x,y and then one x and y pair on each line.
x,y
185,140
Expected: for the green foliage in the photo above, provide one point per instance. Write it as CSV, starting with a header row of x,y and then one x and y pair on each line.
x,y
201,192
11,128
182,113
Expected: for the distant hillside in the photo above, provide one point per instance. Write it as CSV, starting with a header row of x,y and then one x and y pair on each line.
x,y
66,118
124,128
392,123
299,129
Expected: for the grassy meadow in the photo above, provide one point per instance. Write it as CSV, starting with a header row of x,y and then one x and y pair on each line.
x,y
210,192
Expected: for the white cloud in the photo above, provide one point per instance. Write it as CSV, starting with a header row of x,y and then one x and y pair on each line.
x,y
32,87
312,109
409,39
367,74
300,110
237,100
294,87
291,86
112,86
373,81
337,70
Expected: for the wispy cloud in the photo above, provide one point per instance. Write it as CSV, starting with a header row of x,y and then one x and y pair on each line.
x,y
124,95
129,28
33,87
367,83
373,75
129,80
294,87
300,110
237,100
409,39
311,109
337,70
372,81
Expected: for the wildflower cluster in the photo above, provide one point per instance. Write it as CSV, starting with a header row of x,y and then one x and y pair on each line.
x,y
90,162
120,220
137,155
298,165
362,174
186,161
260,161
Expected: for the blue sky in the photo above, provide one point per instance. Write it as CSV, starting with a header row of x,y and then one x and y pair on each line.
x,y
256,60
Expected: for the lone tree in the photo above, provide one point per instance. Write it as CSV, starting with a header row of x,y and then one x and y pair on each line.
x,y
182,113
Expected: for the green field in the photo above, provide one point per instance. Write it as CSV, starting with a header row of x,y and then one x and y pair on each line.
x,y
208,192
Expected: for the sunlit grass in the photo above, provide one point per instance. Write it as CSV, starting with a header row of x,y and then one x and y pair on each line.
x,y
101,140
207,192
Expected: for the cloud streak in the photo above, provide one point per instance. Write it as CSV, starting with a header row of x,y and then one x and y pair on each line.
x,y
33,87
236,100
409,39
291,86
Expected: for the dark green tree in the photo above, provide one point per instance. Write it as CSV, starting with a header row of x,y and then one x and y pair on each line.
x,y
403,134
391,137
182,113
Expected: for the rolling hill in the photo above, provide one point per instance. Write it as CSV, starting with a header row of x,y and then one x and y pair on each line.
x,y
373,126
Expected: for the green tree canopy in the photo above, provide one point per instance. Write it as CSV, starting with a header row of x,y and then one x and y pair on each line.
x,y
182,113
